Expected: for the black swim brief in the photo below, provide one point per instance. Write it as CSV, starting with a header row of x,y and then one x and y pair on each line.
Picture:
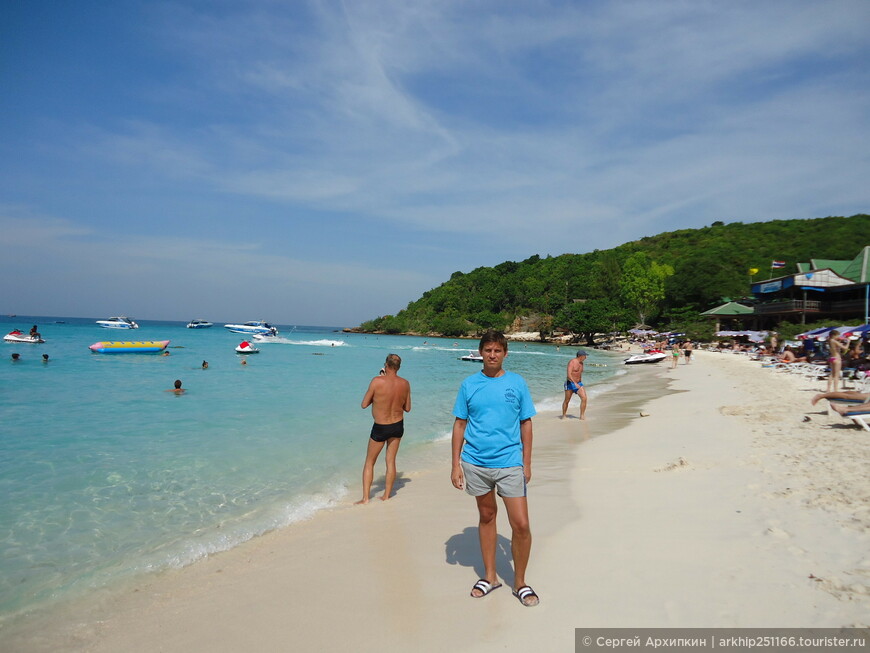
x,y
383,432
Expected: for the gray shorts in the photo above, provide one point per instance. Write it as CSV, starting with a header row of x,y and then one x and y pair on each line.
x,y
508,481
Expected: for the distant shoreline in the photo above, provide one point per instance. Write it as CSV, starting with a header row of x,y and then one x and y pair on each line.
x,y
514,336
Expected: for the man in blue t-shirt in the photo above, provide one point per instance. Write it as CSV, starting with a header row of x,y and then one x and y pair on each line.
x,y
492,453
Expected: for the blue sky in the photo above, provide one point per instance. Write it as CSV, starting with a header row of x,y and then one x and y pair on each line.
x,y
328,162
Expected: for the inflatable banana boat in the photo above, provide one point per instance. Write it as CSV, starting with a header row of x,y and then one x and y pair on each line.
x,y
143,347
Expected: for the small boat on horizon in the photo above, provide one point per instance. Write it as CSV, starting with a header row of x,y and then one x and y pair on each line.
x,y
252,327
120,322
199,324
472,356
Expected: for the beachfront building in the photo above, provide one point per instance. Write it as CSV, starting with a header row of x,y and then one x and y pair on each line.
x,y
820,289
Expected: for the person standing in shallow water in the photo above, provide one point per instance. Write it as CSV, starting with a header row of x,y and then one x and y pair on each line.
x,y
389,395
574,384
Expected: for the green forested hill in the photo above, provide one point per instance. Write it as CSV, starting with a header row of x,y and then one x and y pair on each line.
x,y
707,264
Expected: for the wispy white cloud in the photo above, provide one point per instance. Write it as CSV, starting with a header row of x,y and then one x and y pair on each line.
x,y
537,127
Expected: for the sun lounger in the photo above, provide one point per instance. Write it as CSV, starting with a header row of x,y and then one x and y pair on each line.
x,y
860,419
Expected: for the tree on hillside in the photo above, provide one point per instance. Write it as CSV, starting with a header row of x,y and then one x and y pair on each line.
x,y
591,317
607,274
643,284
706,275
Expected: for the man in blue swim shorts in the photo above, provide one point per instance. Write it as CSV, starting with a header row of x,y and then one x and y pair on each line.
x,y
492,454
389,395
574,384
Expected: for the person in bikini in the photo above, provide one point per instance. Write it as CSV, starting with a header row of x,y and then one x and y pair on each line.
x,y
836,348
389,395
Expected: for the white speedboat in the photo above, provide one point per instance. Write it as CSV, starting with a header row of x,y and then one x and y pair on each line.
x,y
199,324
246,347
18,336
651,356
119,322
472,356
250,328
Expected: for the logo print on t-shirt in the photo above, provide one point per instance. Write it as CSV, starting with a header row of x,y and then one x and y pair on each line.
x,y
510,396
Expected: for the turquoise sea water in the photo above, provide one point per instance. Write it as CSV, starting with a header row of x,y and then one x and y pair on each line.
x,y
105,475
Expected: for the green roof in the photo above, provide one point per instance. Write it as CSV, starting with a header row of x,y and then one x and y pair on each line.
x,y
731,308
857,270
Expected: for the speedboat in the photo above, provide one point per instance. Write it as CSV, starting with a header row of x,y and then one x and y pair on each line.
x,y
265,337
199,324
18,336
472,356
246,347
651,356
250,328
119,322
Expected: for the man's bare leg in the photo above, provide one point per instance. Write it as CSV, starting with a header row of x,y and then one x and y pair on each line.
x,y
372,453
582,393
392,450
487,509
844,410
521,538
846,394
565,403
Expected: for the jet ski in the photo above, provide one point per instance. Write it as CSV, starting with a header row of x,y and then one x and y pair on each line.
x,y
246,347
651,356
18,336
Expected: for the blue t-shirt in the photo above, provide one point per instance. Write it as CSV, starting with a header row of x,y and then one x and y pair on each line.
x,y
493,408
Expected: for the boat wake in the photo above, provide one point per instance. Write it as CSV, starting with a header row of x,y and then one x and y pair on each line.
x,y
311,343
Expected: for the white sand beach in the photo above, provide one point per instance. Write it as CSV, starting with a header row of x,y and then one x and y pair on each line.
x,y
721,508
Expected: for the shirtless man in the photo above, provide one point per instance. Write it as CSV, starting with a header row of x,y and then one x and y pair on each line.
x,y
789,357
177,389
389,395
574,384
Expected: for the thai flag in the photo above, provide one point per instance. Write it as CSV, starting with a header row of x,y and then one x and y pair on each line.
x,y
776,265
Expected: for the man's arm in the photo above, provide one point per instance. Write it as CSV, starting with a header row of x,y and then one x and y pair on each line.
x,y
407,405
456,475
369,396
526,439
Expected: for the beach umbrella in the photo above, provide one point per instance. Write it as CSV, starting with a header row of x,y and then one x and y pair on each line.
x,y
814,332
822,334
858,330
756,336
827,332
